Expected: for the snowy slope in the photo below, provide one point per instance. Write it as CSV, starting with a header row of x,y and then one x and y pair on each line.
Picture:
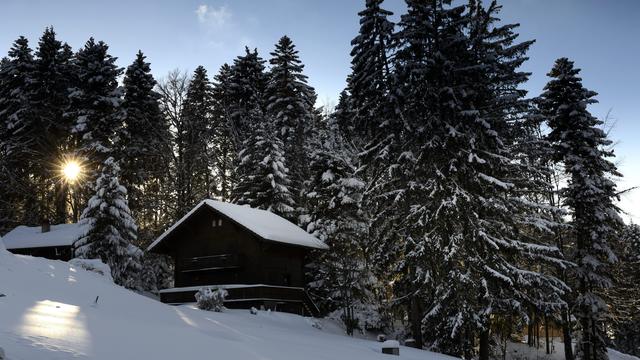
x,y
48,313
519,351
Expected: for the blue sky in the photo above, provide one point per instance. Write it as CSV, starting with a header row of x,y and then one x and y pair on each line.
x,y
602,37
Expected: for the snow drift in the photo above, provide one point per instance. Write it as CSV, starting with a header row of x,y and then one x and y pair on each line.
x,y
49,312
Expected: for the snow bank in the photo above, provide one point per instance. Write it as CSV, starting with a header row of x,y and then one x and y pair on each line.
x,y
49,313
93,265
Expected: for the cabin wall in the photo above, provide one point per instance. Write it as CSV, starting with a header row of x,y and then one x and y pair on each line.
x,y
198,244
63,253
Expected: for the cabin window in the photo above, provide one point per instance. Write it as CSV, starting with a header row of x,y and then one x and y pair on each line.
x,y
58,253
219,222
216,222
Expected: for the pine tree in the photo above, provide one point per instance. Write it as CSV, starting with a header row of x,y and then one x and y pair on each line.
x,y
95,104
457,187
144,144
110,229
194,179
263,178
367,116
342,276
54,77
580,145
20,134
369,83
623,297
224,154
246,93
290,102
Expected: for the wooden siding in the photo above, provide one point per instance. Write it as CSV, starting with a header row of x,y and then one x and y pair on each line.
x,y
211,249
63,253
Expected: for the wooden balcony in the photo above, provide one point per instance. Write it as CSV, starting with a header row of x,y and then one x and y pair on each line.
x,y
213,262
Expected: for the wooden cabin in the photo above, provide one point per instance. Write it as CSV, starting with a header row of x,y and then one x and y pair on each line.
x,y
48,241
257,256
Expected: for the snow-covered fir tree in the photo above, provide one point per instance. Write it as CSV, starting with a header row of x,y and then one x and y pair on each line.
x,y
342,278
369,83
194,181
54,76
246,93
111,230
263,178
20,134
224,155
367,119
623,297
95,112
144,146
581,145
457,188
290,103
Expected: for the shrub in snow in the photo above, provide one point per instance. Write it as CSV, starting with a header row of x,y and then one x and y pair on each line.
x,y
253,311
211,299
382,337
93,265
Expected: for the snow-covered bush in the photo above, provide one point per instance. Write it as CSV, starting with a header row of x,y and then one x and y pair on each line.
x,y
211,299
93,265
365,317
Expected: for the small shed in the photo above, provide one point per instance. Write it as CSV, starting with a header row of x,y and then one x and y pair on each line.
x,y
257,256
48,241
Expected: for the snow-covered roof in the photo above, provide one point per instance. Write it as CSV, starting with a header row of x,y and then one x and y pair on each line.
x,y
23,237
265,224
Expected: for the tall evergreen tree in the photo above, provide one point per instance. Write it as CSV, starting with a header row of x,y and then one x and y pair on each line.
x,y
459,189
370,79
290,102
224,155
20,134
95,104
263,178
110,228
581,145
342,276
246,93
54,77
144,144
624,296
194,179
368,120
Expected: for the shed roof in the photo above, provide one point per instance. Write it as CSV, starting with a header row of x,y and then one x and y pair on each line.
x,y
265,224
23,237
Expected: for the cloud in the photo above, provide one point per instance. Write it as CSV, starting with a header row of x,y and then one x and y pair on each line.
x,y
209,15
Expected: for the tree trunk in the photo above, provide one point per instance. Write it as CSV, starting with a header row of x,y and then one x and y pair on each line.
x,y
415,317
484,345
546,333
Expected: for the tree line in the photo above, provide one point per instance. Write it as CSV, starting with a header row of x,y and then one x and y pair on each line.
x,y
435,180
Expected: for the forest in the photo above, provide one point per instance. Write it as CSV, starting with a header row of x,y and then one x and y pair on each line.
x,y
458,208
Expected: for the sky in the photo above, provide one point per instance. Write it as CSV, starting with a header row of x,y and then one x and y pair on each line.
x,y
601,36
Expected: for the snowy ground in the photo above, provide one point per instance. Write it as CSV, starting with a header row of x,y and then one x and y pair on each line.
x,y
48,313
518,351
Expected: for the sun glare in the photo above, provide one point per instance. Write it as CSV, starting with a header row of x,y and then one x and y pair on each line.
x,y
71,170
